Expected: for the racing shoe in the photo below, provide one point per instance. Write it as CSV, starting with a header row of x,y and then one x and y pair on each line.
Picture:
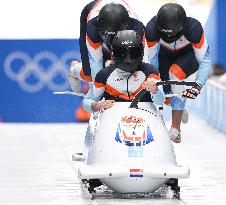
x,y
75,82
175,135
184,118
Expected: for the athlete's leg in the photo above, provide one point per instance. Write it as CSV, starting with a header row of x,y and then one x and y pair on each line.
x,y
177,103
185,65
165,61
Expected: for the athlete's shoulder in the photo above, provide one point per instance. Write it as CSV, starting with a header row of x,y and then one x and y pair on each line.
x,y
194,30
92,31
86,10
104,74
137,26
151,30
149,69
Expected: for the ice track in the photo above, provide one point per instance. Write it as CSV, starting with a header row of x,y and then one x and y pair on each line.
x,y
36,167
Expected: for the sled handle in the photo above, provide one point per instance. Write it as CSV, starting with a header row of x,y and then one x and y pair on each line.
x,y
134,103
174,82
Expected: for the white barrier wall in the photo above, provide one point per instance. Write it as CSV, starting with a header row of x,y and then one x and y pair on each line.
x,y
211,104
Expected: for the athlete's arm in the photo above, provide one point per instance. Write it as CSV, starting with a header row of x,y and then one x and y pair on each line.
x,y
92,101
157,95
201,48
82,39
152,42
94,46
152,74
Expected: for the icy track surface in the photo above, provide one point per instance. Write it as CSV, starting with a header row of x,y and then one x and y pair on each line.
x,y
36,166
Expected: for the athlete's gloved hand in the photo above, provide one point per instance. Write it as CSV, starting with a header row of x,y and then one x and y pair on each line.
x,y
193,92
150,85
74,81
102,105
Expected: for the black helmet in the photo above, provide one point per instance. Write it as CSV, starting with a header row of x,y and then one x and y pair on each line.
x,y
111,19
171,22
128,50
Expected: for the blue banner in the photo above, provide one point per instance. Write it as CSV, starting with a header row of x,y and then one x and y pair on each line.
x,y
215,30
221,26
30,71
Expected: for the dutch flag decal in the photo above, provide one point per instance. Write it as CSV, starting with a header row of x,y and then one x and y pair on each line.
x,y
136,172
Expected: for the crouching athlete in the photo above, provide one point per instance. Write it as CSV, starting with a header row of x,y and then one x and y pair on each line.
x,y
122,80
100,21
179,45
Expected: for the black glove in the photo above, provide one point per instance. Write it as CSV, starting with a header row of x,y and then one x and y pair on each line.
x,y
193,92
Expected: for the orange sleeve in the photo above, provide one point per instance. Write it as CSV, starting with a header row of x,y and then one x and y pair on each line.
x,y
200,44
92,44
151,43
99,85
156,77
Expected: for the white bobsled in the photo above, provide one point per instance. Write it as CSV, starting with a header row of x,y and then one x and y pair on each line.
x,y
128,149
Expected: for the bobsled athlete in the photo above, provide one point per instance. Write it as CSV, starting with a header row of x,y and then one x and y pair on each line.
x,y
122,80
100,21
178,47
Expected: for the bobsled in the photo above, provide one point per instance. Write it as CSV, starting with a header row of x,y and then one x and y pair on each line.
x,y
128,149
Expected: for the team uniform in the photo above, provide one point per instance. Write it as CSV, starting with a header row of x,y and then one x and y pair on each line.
x,y
95,53
181,59
177,45
112,83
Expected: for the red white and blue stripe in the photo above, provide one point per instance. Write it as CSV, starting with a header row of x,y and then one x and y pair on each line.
x,y
136,172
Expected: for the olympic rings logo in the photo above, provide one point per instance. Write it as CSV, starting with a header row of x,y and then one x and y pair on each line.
x,y
20,67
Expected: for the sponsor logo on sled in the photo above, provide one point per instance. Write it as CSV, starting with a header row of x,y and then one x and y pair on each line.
x,y
136,172
133,131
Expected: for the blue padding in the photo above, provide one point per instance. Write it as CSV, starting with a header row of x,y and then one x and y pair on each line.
x,y
30,71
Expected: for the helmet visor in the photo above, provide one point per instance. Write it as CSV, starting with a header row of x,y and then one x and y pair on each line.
x,y
170,34
131,53
171,37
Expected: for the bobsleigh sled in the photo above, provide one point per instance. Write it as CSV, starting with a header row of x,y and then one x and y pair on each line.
x,y
128,149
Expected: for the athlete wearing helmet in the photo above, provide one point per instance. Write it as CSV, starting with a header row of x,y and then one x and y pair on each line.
x,y
171,22
178,47
100,21
128,51
122,80
112,18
